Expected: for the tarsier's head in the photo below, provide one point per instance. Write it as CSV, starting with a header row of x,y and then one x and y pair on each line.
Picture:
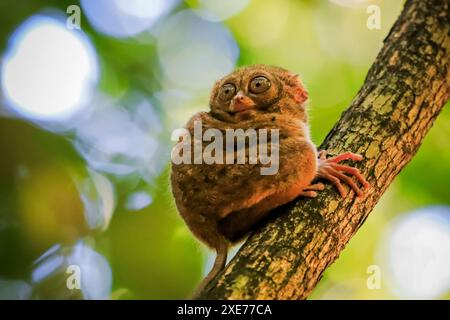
x,y
255,90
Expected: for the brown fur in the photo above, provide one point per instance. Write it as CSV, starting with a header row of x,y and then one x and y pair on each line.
x,y
221,203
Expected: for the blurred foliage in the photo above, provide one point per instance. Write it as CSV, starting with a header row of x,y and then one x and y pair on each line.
x,y
150,252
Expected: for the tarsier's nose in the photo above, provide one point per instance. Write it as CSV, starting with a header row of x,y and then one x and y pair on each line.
x,y
240,96
241,102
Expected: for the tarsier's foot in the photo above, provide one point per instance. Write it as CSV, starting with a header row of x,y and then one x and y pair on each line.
x,y
310,191
331,170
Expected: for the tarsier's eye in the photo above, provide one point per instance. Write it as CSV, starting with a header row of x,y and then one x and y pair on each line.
x,y
259,84
227,91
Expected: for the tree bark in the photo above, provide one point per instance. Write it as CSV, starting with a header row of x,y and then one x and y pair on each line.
x,y
403,93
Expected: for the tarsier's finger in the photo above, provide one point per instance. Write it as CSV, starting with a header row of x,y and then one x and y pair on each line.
x,y
329,176
354,172
348,181
309,194
316,187
346,156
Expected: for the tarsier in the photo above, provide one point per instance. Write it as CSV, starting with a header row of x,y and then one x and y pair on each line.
x,y
221,203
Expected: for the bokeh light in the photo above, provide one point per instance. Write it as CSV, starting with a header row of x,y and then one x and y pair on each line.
x,y
98,197
121,141
50,273
214,10
49,71
416,251
125,18
138,200
194,52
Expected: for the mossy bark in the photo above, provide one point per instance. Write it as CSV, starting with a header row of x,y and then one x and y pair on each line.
x,y
403,93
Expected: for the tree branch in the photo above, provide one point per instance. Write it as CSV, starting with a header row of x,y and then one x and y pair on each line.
x,y
403,93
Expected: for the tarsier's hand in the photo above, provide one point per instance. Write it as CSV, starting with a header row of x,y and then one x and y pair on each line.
x,y
331,170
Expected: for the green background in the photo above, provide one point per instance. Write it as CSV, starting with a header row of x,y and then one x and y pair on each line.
x,y
150,252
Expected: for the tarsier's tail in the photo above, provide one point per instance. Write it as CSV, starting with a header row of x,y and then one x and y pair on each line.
x,y
219,265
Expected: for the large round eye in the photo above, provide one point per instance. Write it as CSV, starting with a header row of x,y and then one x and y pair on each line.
x,y
259,84
227,91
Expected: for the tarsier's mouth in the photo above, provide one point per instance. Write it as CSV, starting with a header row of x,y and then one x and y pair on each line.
x,y
235,111
241,103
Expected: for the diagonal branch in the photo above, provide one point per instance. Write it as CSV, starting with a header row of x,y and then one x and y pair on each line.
x,y
403,93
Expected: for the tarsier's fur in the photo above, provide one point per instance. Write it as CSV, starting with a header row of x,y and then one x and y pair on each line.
x,y
221,203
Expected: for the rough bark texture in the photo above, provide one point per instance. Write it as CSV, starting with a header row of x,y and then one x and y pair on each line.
x,y
403,93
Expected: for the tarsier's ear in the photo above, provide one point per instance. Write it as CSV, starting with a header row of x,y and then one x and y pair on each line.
x,y
300,93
